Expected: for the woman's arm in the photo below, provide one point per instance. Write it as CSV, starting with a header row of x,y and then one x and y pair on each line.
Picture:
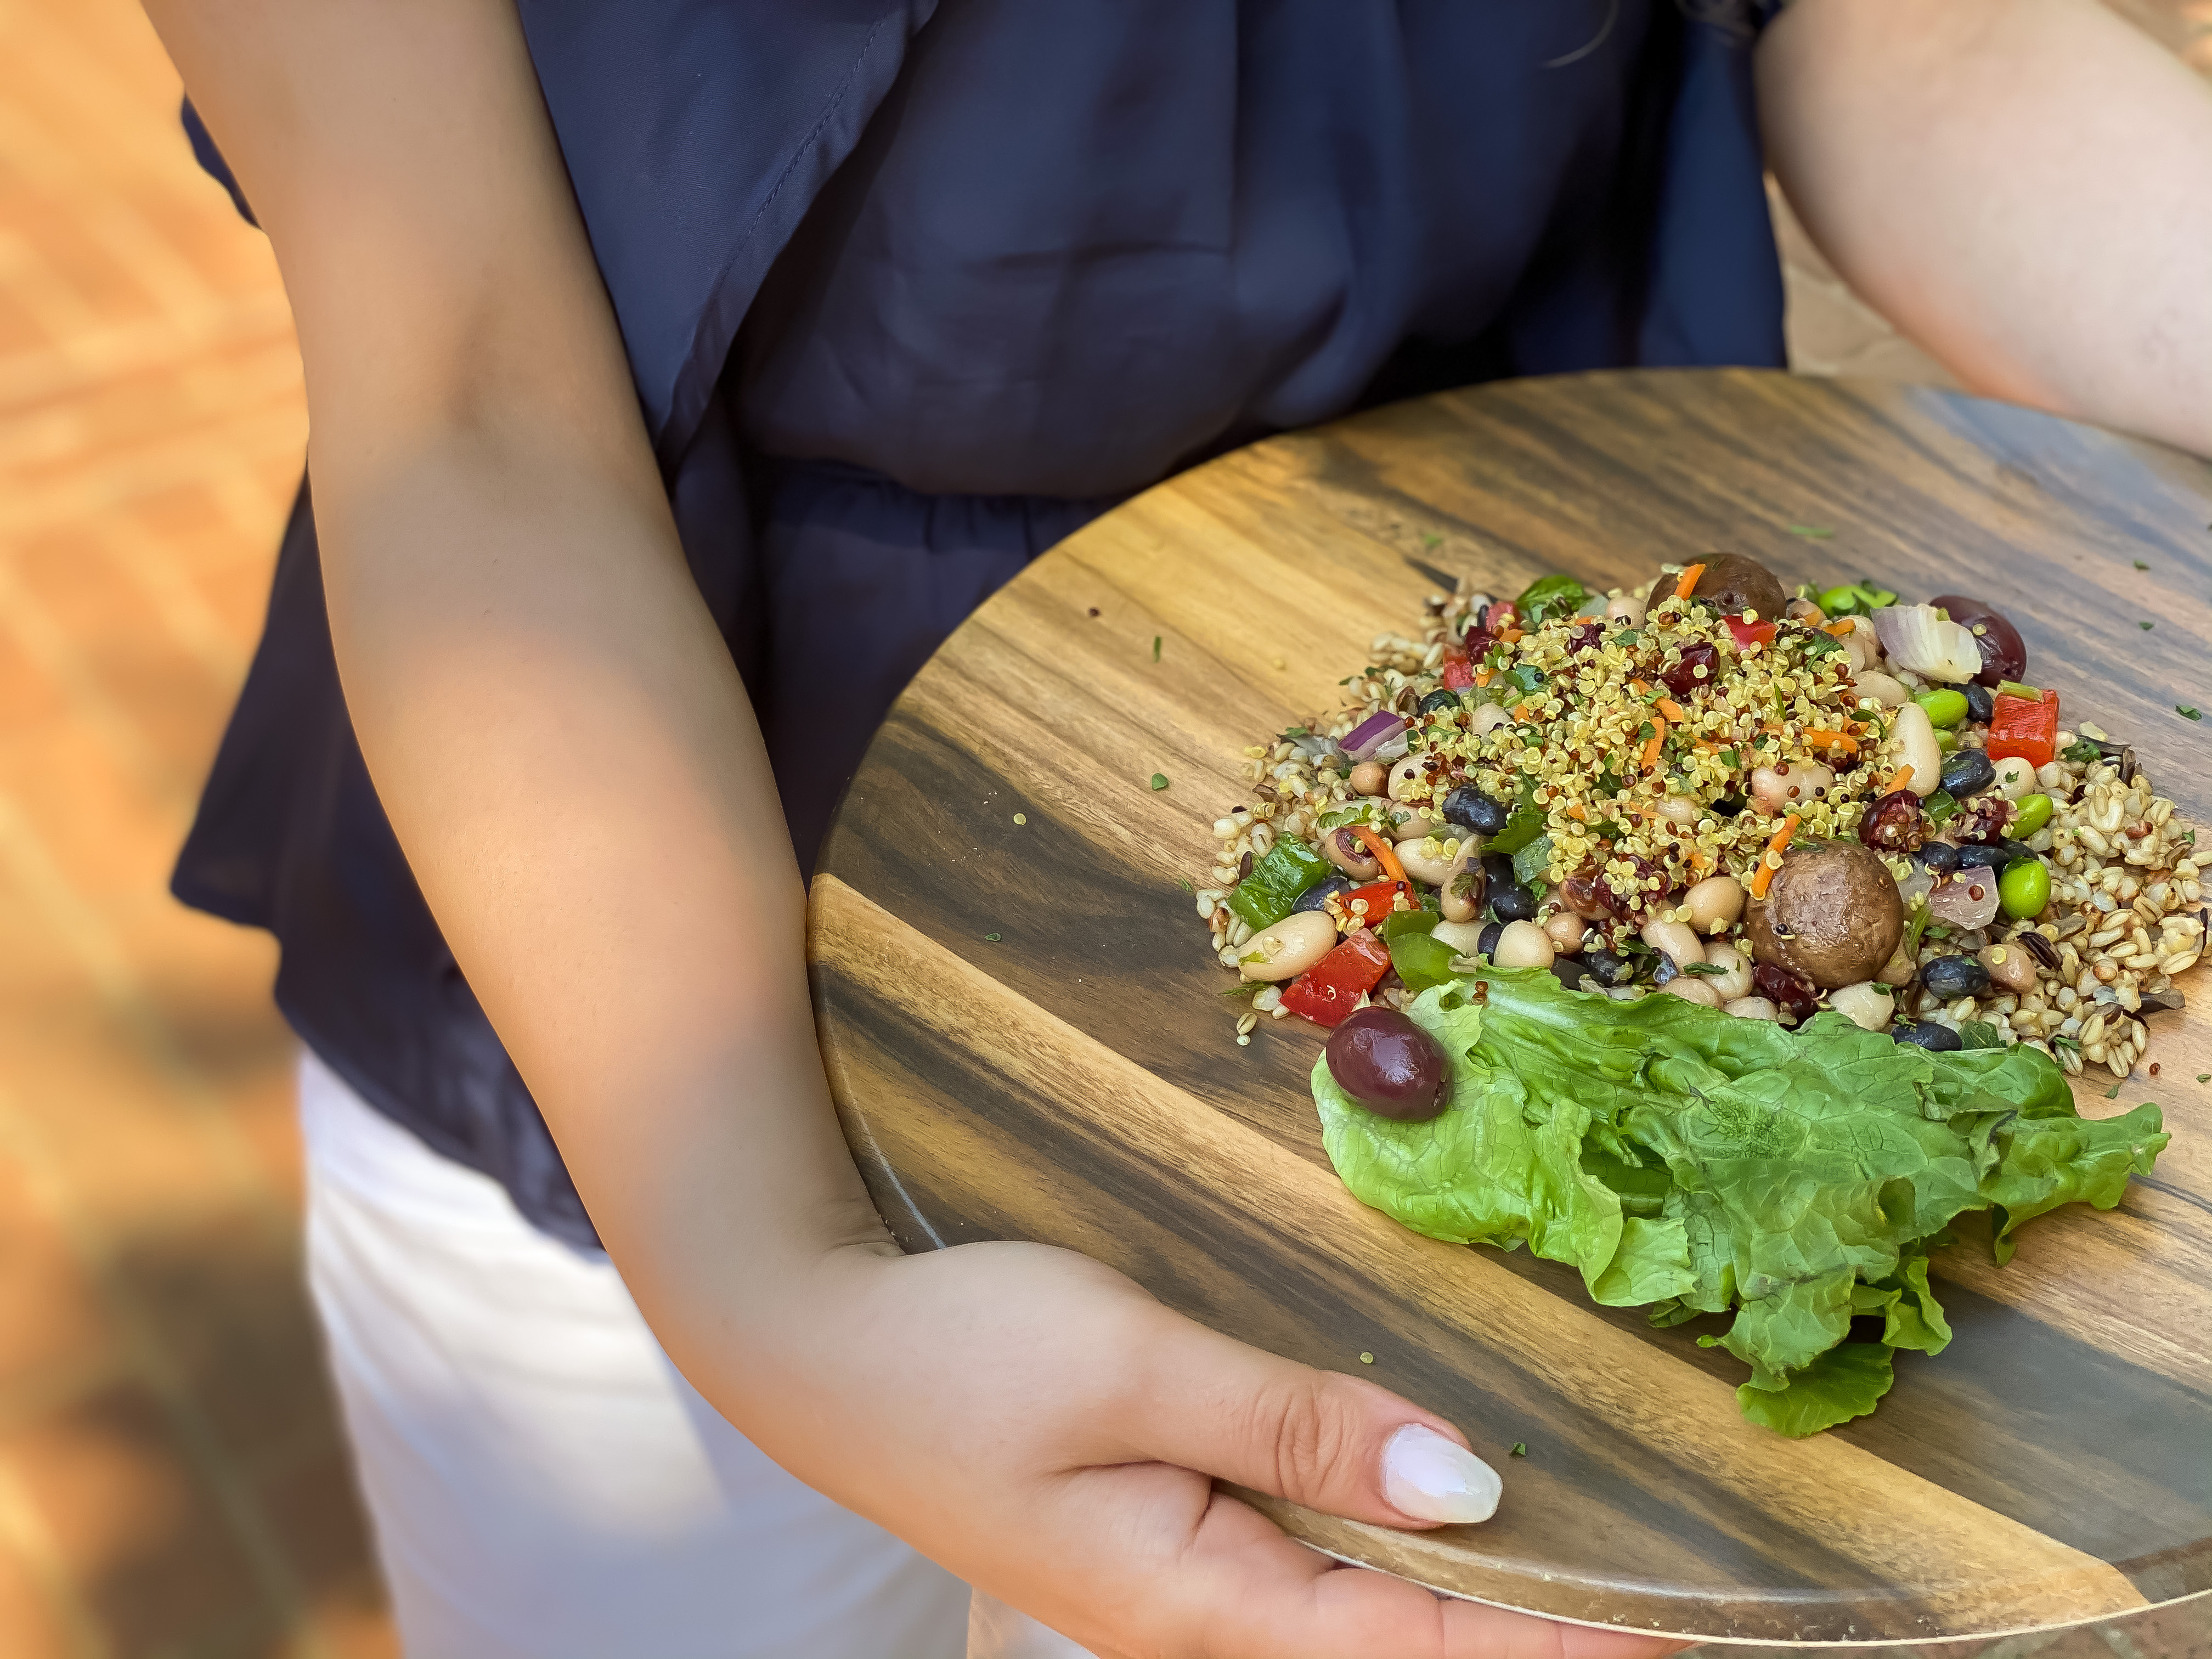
x,y
565,749
2024,187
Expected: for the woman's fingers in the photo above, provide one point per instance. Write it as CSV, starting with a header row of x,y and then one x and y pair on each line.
x,y
1330,1442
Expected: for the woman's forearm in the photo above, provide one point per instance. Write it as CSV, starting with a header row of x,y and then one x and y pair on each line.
x,y
2024,187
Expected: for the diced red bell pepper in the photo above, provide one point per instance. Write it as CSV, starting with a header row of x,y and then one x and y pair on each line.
x,y
1381,899
1328,990
1458,674
2024,728
1759,633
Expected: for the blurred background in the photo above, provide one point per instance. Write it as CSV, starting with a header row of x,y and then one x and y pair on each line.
x,y
172,1482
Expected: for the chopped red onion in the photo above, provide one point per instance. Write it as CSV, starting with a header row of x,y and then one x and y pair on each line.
x,y
1370,734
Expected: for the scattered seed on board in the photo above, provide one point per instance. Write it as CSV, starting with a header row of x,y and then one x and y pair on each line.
x,y
993,939
1366,1358
1021,817
1520,1448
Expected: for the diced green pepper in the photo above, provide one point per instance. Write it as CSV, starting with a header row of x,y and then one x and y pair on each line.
x,y
1532,862
1940,806
2034,812
1264,898
1421,959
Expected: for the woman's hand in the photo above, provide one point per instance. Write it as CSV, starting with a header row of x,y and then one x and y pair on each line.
x,y
1042,1426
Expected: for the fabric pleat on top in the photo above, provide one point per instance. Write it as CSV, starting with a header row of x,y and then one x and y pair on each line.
x,y
912,291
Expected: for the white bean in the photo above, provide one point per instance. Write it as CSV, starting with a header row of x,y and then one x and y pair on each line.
x,y
1715,904
1408,825
1565,929
1289,948
1778,788
1430,860
1679,809
1523,944
1735,979
1866,1004
1691,988
1677,939
1913,743
1464,937
1752,1008
1349,853
1460,898
1626,608
1889,693
1488,718
2015,777
1408,775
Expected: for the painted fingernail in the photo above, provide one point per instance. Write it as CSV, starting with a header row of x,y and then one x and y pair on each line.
x,y
1433,1479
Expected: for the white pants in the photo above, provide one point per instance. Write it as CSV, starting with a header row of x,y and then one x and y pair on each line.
x,y
543,1483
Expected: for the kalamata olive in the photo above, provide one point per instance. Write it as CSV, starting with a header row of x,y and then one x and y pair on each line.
x,y
1609,969
1942,857
1439,700
1981,703
1832,914
2005,654
1732,585
1317,897
1894,824
1469,808
1967,773
1488,947
1793,993
1940,1038
1389,1064
1683,677
1952,977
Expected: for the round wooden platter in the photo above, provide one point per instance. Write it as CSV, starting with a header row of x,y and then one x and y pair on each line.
x,y
1021,1019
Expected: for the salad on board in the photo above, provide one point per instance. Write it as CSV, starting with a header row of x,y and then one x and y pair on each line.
x,y
1726,944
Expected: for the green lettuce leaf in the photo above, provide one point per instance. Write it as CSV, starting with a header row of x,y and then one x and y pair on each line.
x,y
1701,1163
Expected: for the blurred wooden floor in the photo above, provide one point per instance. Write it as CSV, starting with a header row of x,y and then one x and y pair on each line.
x,y
172,1481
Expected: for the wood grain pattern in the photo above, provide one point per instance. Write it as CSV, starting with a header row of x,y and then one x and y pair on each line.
x,y
1075,1080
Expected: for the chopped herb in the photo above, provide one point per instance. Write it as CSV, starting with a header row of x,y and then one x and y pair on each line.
x,y
1296,732
1628,636
2112,1093
2073,1044
1645,731
1550,596
1156,647
2186,712
2141,565
1941,806
1915,928
1979,1033
1815,531
1705,970
2205,1076
2081,752
1606,829
1429,539
1520,1449
1186,886
2146,626
1818,644
1159,781
993,939
1249,988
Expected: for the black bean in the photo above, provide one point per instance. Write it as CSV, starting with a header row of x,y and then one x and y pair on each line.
x,y
1981,703
1439,700
1569,972
1510,902
1952,977
1729,806
1940,1038
1940,857
2010,852
1469,808
1609,969
1975,855
1487,945
1968,772
1313,898
1666,970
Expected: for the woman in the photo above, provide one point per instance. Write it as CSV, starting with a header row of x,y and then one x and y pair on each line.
x,y
679,375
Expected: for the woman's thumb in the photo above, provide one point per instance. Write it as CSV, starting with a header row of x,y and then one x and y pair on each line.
x,y
1329,1441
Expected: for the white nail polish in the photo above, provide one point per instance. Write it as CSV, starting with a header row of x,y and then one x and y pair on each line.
x,y
1433,1479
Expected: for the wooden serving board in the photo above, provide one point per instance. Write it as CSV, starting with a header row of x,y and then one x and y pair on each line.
x,y
1022,1031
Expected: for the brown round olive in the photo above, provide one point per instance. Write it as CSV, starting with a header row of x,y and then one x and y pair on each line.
x,y
1833,915
1389,1064
1732,585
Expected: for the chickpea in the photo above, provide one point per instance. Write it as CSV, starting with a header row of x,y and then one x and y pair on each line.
x,y
1866,1004
1431,859
1715,904
1565,930
1752,1008
2015,777
1627,609
1778,788
1677,939
1734,981
2009,965
1289,948
1464,938
1349,853
1889,693
1367,778
1461,896
1913,743
1407,775
1523,944
1691,988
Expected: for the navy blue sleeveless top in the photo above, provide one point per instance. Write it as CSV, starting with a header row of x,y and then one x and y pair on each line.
x,y
912,288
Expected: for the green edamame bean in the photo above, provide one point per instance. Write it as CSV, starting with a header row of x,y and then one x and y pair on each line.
x,y
2025,887
1947,740
2034,812
1945,706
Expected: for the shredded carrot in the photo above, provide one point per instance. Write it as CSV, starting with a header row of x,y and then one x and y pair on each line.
x,y
1671,709
1850,745
1690,575
1698,861
1900,777
1384,854
1482,676
1639,688
1658,736
1703,747
1576,812
1510,635
1840,628
1771,860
